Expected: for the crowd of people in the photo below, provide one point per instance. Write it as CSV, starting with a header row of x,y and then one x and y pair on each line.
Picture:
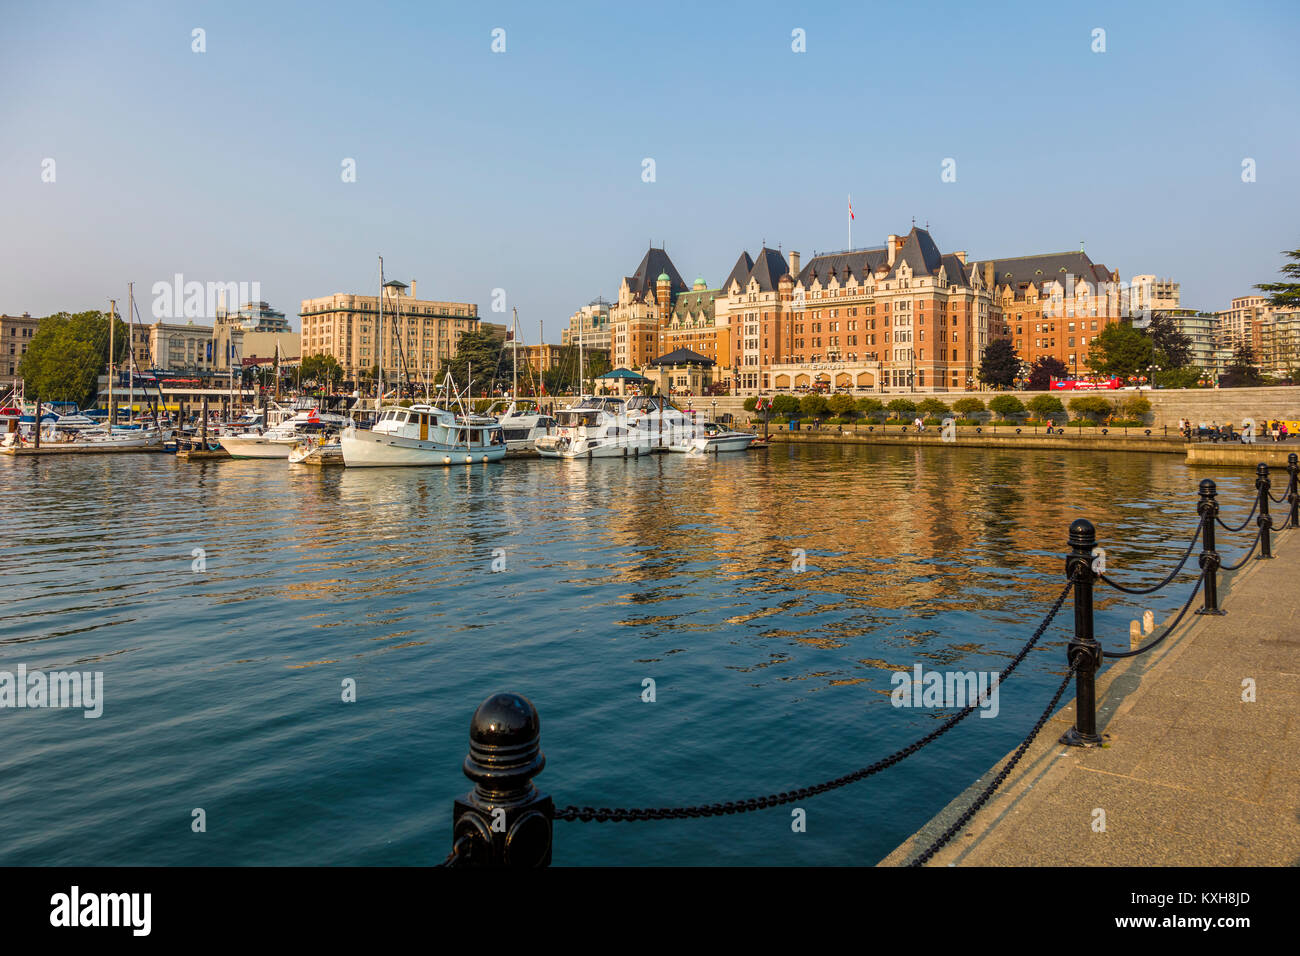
x,y
1214,432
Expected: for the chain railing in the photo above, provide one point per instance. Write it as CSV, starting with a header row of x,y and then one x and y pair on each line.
x,y
506,821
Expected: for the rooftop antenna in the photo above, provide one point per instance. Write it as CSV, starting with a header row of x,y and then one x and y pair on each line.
x,y
1081,245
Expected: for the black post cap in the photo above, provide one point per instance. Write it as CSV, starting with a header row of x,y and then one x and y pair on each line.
x,y
1082,533
504,743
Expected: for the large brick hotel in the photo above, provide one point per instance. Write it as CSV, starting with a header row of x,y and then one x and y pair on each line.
x,y
901,315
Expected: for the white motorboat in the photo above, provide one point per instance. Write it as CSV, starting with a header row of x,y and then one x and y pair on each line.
x,y
423,435
712,438
522,423
278,442
594,427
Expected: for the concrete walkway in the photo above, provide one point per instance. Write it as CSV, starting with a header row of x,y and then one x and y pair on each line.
x,y
1190,774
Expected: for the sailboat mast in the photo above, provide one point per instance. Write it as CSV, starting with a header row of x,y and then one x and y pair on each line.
x,y
581,327
379,338
514,370
112,415
130,355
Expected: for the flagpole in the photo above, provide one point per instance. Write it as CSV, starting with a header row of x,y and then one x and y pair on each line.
x,y
850,220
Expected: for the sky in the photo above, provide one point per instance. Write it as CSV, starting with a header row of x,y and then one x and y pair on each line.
x,y
525,170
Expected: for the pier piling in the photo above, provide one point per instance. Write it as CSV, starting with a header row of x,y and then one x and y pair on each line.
x,y
1265,520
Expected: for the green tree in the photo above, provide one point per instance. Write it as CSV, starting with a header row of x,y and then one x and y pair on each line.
x,y
67,355
902,408
1285,295
785,406
1120,349
1244,369
1046,406
933,408
814,406
870,407
751,403
843,406
1000,364
1044,370
1180,377
1093,407
969,407
1136,406
1006,406
1173,347
479,352
321,370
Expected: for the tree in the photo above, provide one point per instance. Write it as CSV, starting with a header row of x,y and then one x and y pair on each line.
x,y
751,403
479,353
785,406
67,355
1044,370
1119,349
1006,406
1244,369
1285,294
1173,347
1134,406
814,406
843,406
902,408
1000,364
870,407
1180,377
321,370
933,408
968,407
1046,406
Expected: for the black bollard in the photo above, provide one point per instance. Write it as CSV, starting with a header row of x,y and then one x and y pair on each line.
x,y
1208,509
1265,520
505,820
1293,488
1083,650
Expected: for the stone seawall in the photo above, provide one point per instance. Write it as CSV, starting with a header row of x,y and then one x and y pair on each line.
x,y
1167,404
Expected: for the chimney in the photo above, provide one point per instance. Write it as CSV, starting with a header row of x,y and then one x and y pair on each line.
x,y
988,274
893,243
794,266
413,295
961,256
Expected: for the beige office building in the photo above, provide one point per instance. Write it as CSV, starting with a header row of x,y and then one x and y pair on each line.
x,y
419,334
590,324
16,333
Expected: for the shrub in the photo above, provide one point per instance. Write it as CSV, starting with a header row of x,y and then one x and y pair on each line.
x,y
968,407
933,408
1007,407
1135,407
933,421
1127,423
969,421
1084,422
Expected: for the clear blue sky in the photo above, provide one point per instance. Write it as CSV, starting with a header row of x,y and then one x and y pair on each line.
x,y
522,170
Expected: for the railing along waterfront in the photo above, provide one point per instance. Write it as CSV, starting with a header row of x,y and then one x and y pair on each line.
x,y
507,821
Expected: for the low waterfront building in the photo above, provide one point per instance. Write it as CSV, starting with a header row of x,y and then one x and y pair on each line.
x,y
419,334
682,372
16,333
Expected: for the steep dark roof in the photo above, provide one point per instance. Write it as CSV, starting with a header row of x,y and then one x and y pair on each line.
x,y
740,272
683,357
955,270
919,252
656,261
768,269
1045,268
860,263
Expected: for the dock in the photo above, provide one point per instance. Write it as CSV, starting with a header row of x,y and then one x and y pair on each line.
x,y
71,449
1191,772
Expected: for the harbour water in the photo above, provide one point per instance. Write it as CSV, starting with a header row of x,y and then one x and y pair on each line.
x,y
227,603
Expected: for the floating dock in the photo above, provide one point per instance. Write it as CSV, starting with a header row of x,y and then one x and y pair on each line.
x,y
73,449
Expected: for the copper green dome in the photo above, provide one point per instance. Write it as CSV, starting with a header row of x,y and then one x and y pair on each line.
x,y
700,283
663,277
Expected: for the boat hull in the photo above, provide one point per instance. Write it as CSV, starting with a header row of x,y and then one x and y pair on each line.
x,y
257,447
368,449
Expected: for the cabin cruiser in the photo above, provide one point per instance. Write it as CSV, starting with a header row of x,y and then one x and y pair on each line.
x,y
601,427
711,438
522,423
423,435
278,441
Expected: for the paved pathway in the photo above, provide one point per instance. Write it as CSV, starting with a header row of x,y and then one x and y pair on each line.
x,y
1190,773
